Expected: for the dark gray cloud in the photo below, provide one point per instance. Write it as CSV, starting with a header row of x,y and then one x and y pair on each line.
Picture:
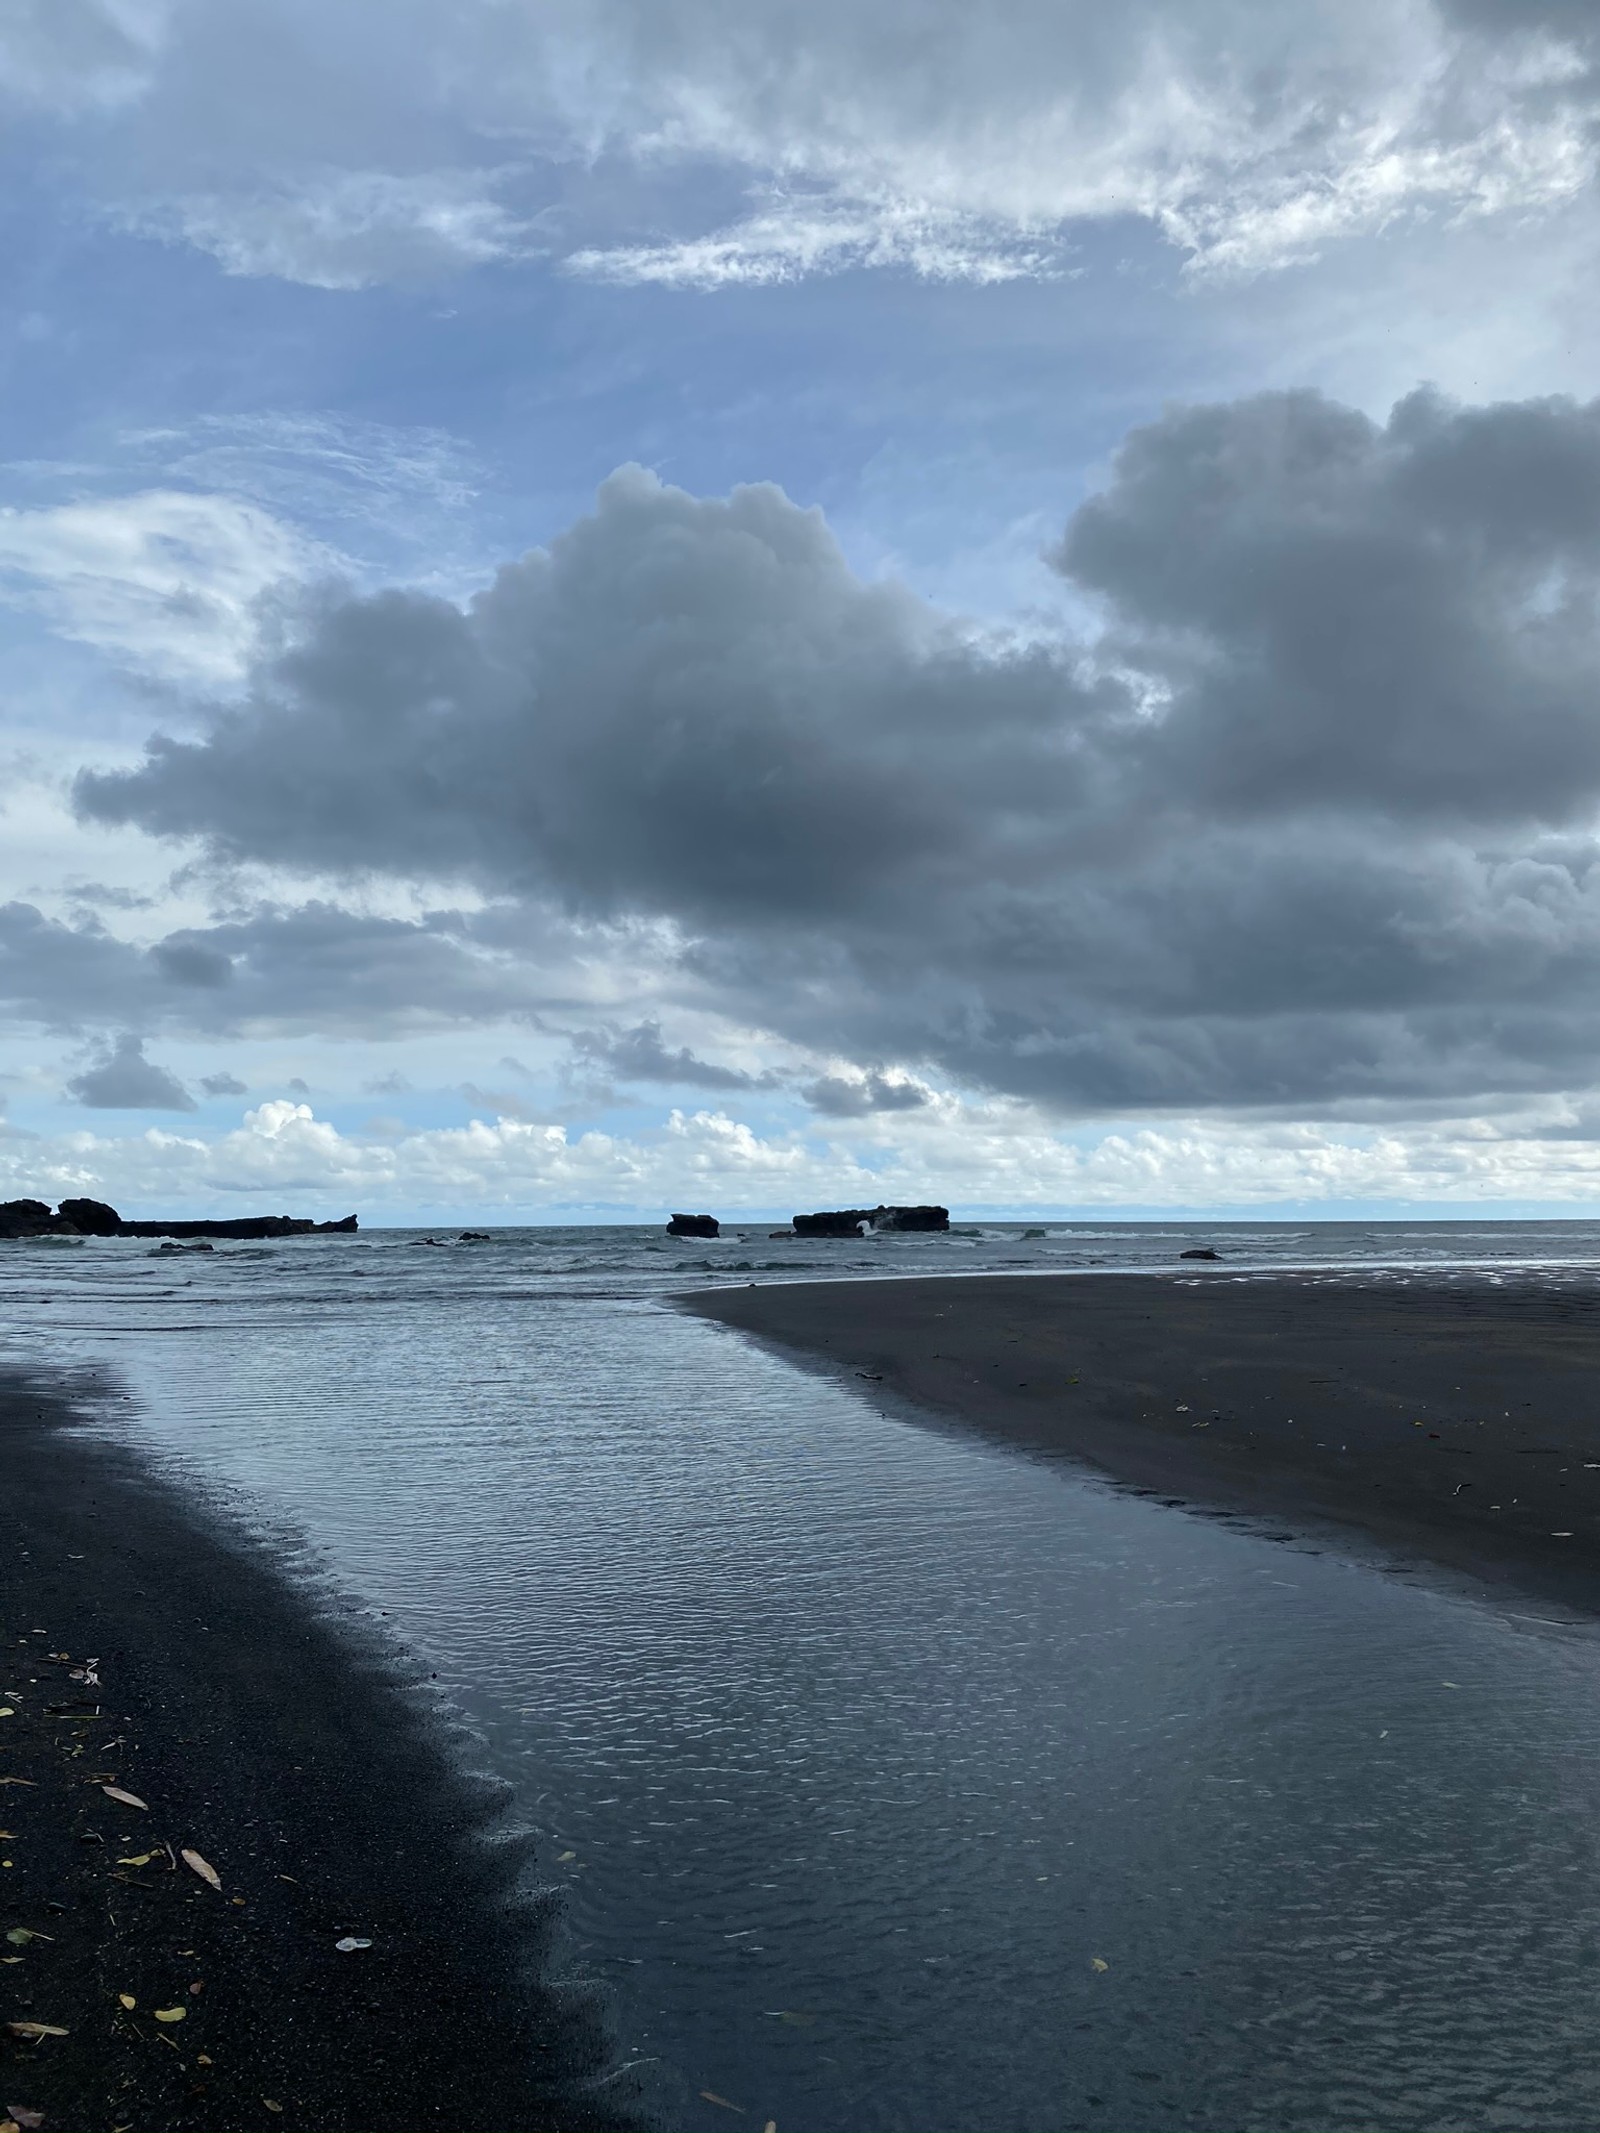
x,y
123,1079
856,1095
223,1085
638,1054
92,894
1575,21
1311,822
679,690
191,962
1396,620
274,969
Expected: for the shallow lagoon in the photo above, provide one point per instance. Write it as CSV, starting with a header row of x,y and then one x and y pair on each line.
x,y
868,1742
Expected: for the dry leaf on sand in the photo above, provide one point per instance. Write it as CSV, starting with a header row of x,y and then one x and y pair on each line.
x,y
203,1868
128,1799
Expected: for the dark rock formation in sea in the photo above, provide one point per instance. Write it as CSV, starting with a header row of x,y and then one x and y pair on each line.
x,y
32,1218
93,1218
1200,1251
925,1218
836,1222
849,1221
694,1226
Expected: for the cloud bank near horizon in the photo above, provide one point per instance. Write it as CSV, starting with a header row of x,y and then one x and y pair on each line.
x,y
994,1156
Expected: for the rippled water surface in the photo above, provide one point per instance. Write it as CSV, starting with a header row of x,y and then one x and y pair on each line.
x,y
860,1748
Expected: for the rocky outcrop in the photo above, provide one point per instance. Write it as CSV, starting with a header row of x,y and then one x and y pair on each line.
x,y
694,1226
837,1222
32,1218
93,1218
926,1218
1200,1251
850,1221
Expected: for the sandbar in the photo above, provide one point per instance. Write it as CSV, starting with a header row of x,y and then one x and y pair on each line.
x,y
1448,1421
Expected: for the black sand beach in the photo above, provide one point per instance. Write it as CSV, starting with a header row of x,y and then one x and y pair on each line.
x,y
1448,1422
260,1739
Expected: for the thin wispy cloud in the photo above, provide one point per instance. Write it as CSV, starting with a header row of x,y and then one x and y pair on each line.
x,y
926,140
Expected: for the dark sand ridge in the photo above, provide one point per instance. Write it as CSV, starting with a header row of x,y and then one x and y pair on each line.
x,y
1454,1422
264,1739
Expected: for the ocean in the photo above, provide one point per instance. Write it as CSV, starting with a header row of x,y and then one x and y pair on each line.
x,y
889,1778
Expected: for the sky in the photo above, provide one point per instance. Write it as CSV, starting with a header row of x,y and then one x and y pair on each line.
x,y
666,604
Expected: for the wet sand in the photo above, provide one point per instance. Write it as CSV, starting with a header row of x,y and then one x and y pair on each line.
x,y
310,1776
1446,1422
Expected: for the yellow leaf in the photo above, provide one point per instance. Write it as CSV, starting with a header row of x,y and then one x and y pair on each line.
x,y
171,2014
1095,1963
128,2001
35,2029
6,1711
128,1799
206,1871
563,1857
203,2059
138,1859
271,2106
